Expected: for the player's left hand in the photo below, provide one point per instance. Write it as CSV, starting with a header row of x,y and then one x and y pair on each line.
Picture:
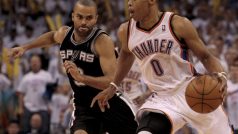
x,y
71,68
103,97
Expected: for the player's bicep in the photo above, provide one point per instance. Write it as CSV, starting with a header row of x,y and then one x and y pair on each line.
x,y
105,49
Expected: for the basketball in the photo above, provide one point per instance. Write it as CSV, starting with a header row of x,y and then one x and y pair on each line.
x,y
203,95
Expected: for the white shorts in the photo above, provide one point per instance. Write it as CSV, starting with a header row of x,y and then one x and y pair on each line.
x,y
175,107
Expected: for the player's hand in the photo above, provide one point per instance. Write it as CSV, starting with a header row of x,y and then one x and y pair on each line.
x,y
223,81
72,69
103,97
16,52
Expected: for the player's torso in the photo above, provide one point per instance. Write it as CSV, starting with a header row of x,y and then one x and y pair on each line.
x,y
85,58
164,62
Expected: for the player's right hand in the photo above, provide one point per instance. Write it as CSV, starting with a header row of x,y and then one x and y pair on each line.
x,y
103,97
16,52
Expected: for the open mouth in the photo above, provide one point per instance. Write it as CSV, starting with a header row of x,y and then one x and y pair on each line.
x,y
131,13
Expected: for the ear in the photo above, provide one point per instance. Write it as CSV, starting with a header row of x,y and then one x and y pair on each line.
x,y
152,1
96,17
72,16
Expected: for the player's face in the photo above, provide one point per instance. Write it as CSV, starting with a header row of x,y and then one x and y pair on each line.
x,y
84,18
138,9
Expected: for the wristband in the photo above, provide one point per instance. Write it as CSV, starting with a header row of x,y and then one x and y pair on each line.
x,y
114,85
222,74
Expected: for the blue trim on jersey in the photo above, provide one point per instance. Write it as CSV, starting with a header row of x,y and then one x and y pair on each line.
x,y
185,54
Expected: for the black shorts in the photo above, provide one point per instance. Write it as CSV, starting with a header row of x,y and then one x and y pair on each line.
x,y
88,119
119,119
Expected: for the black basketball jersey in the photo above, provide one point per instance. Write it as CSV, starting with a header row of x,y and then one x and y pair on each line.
x,y
87,61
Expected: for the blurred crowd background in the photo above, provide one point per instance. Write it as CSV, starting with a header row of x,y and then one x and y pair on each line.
x,y
50,108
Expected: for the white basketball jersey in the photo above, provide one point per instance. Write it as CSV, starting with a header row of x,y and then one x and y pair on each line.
x,y
163,60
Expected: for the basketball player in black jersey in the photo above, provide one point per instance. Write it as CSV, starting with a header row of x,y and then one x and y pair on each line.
x,y
89,59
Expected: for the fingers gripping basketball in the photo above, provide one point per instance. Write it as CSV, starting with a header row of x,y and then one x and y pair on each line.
x,y
203,94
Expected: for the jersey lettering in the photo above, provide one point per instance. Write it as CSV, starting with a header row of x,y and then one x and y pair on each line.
x,y
152,46
83,56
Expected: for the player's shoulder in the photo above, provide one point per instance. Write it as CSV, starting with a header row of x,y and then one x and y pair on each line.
x,y
123,30
182,26
124,27
60,34
180,21
102,37
64,29
103,40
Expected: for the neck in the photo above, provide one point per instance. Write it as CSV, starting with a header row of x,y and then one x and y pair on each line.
x,y
150,20
36,71
78,38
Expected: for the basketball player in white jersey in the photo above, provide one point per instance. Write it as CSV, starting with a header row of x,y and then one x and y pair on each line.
x,y
160,43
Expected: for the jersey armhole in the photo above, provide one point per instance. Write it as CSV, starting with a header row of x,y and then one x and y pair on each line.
x,y
93,49
180,41
65,35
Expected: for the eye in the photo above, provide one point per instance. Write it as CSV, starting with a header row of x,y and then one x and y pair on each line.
x,y
79,17
89,17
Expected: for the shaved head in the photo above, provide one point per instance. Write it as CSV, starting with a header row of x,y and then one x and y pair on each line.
x,y
84,17
88,3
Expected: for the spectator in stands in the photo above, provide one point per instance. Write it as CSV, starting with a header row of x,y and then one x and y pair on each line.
x,y
31,90
36,125
13,127
232,97
58,106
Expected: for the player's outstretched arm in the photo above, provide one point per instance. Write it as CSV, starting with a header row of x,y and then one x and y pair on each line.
x,y
44,40
125,61
184,29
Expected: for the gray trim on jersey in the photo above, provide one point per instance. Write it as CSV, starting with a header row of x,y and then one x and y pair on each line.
x,y
89,36
66,33
93,49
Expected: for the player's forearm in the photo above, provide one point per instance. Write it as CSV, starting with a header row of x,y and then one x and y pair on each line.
x,y
42,41
96,82
212,64
125,62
